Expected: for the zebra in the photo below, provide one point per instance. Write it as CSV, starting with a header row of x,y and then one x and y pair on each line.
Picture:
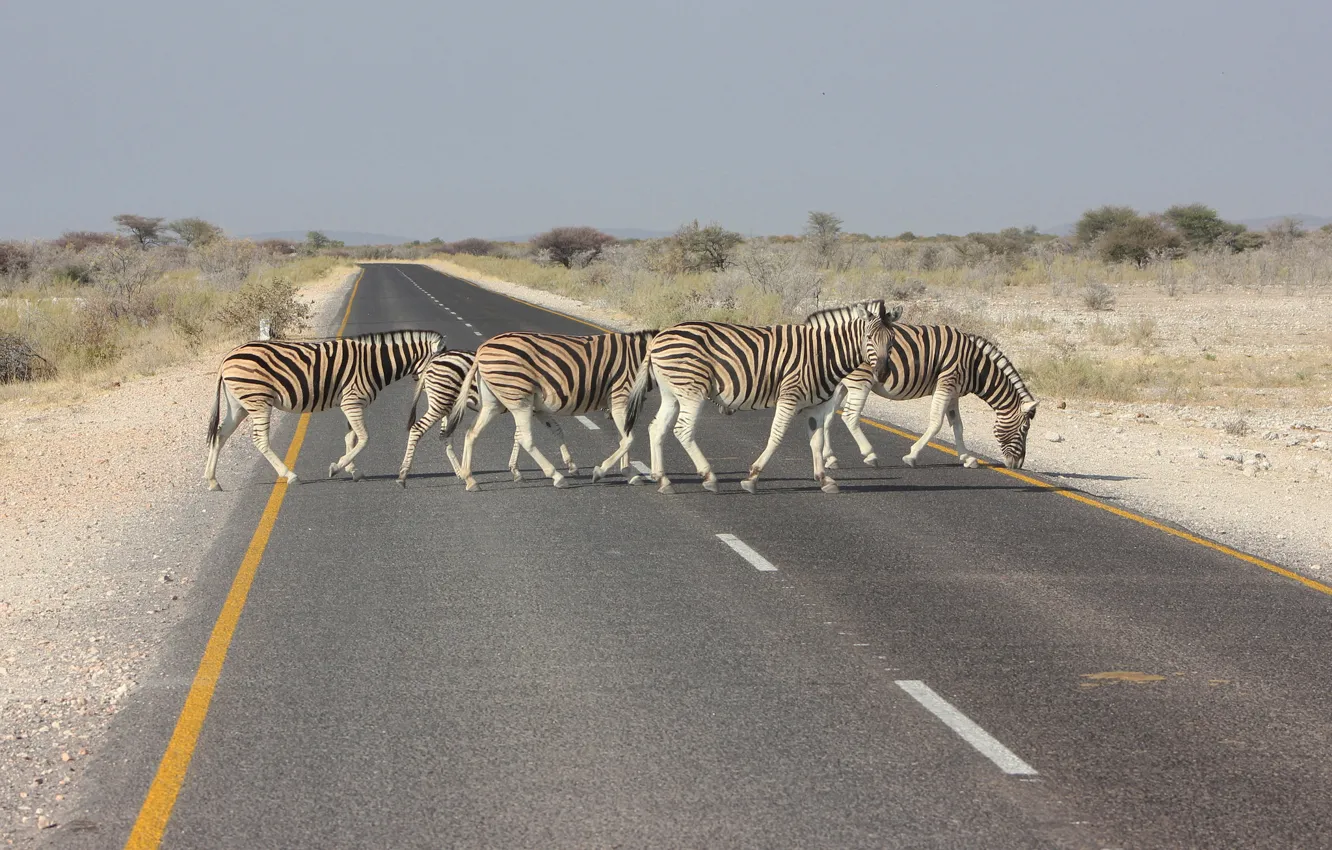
x,y
311,376
948,363
440,381
534,374
794,368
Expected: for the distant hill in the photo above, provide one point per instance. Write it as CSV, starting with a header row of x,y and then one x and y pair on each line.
x,y
347,237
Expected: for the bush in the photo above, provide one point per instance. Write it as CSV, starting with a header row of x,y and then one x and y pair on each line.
x,y
1096,222
1140,240
1097,296
15,259
565,245
472,246
19,362
82,240
272,299
1199,225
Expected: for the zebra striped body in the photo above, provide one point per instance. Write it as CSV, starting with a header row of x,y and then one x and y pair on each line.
x,y
794,368
308,377
947,363
535,374
441,383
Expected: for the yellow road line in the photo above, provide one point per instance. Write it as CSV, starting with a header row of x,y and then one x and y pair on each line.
x,y
151,823
1150,523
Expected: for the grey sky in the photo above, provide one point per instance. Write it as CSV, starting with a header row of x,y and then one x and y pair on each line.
x,y
500,118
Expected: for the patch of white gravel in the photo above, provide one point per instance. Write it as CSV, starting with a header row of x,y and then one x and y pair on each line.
x,y
1266,492
104,521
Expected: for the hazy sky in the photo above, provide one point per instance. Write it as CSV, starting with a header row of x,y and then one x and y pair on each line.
x,y
497,118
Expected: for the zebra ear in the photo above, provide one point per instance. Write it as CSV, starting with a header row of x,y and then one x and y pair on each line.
x,y
1029,408
886,315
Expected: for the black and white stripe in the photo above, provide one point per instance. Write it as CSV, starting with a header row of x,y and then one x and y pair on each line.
x,y
795,368
947,363
441,383
536,374
307,377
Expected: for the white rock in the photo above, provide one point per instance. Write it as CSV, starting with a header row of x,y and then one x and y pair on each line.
x,y
1054,436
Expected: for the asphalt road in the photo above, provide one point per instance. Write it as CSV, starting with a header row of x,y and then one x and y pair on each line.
x,y
595,667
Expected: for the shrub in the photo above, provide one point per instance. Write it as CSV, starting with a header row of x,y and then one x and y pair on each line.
x,y
1009,242
15,259
19,362
1101,220
471,246
567,245
1098,296
273,299
279,247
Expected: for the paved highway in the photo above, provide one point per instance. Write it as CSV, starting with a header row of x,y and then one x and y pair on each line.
x,y
936,657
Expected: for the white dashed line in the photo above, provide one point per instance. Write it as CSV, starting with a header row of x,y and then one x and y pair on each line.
x,y
478,333
967,730
467,324
588,423
641,467
742,549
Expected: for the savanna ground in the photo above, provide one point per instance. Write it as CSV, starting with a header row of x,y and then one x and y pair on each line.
x,y
1197,389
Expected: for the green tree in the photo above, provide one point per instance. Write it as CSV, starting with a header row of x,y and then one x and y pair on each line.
x,y
316,240
1140,240
194,232
1096,222
1201,227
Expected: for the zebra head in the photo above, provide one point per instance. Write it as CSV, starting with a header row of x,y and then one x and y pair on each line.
x,y
1010,429
879,333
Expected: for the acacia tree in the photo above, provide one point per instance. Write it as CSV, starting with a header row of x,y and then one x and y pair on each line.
x,y
824,231
567,243
194,232
706,248
1096,222
142,229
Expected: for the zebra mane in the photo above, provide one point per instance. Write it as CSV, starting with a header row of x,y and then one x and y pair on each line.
x,y
1005,366
399,337
837,316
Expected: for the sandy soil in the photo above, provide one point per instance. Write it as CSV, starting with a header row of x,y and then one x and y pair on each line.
x,y
101,510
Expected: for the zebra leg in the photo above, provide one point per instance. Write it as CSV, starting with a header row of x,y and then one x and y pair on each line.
x,y
357,439
666,414
829,459
621,452
513,459
941,401
522,419
955,419
259,424
552,424
453,458
816,421
852,408
490,408
229,421
781,420
684,432
413,436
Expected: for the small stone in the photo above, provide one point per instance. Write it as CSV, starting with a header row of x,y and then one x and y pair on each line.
x,y
1315,566
1095,414
1054,436
1250,471
1061,405
43,822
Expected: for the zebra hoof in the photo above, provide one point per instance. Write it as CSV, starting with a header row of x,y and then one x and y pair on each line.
x,y
872,460
572,468
666,489
213,485
830,462
710,482
748,485
970,462
560,482
830,486
332,470
636,480
357,475
517,476
597,474
292,479
402,481
909,461
471,485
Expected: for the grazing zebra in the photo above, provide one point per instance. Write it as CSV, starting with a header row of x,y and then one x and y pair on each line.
x,y
442,379
310,376
531,374
795,368
948,363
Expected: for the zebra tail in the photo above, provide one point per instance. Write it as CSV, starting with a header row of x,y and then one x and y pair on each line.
x,y
216,418
460,403
416,399
638,392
